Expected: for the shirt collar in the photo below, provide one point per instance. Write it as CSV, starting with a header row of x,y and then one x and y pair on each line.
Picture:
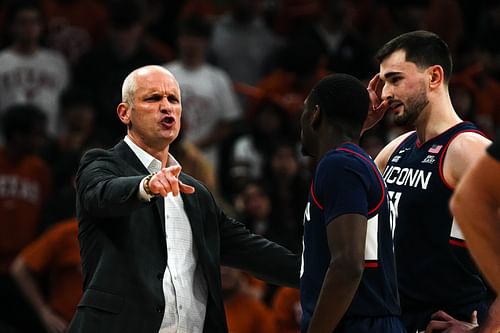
x,y
149,162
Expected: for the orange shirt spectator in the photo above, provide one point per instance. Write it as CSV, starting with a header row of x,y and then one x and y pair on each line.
x,y
24,185
56,254
245,314
287,310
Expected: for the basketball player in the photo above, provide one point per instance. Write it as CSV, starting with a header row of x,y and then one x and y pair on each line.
x,y
348,281
475,205
421,169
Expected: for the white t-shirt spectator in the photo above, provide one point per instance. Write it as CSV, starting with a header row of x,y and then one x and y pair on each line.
x,y
36,79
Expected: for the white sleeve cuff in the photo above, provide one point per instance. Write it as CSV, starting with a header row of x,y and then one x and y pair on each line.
x,y
142,192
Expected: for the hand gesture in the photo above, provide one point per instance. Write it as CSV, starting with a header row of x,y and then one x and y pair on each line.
x,y
377,107
167,181
443,322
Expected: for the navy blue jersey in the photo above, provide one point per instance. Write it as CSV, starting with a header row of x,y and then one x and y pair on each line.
x,y
348,182
494,148
433,265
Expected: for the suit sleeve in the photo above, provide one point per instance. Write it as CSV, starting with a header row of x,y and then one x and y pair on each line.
x,y
257,255
103,189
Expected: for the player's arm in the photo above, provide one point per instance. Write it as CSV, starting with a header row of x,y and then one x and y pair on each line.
x,y
383,156
346,236
475,205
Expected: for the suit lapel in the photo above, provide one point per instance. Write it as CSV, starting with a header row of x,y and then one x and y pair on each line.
x,y
133,161
192,209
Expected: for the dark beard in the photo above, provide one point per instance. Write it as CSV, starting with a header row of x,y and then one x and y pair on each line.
x,y
412,109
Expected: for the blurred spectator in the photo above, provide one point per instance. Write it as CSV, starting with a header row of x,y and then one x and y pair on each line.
x,y
268,125
288,185
244,313
487,35
209,105
30,73
484,94
346,51
194,163
257,209
451,26
262,218
287,310
78,133
25,184
301,65
74,26
242,44
102,70
54,256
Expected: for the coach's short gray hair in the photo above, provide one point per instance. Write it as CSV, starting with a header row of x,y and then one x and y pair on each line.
x,y
128,88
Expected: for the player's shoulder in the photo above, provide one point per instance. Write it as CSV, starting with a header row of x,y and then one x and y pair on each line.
x,y
466,141
386,152
337,161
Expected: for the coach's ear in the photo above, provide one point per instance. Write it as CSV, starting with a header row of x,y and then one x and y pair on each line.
x,y
123,111
316,117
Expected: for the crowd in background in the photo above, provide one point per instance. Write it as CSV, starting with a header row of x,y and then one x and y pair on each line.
x,y
244,68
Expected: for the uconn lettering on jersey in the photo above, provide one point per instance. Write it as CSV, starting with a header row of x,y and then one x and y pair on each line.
x,y
407,177
13,187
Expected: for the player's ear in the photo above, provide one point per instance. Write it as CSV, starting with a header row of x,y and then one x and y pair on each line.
x,y
316,117
123,111
436,76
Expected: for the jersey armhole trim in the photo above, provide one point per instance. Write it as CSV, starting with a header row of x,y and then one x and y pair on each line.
x,y
320,206
381,182
443,154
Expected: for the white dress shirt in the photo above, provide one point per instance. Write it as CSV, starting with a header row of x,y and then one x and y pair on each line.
x,y
184,286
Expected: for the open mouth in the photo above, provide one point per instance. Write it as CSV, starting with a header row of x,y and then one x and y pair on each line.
x,y
168,121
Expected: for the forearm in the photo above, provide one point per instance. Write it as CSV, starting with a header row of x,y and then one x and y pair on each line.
x,y
28,286
110,197
338,290
492,322
257,255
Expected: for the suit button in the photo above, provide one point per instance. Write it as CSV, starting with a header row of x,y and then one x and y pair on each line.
x,y
159,276
159,309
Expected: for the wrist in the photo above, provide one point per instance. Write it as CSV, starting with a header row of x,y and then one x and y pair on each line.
x,y
146,183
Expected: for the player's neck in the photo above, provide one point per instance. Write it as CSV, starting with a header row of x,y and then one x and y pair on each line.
x,y
438,117
333,142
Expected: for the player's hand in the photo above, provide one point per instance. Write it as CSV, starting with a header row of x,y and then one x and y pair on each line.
x,y
377,106
443,322
167,181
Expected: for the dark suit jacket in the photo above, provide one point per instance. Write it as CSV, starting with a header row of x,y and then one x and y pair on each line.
x,y
124,254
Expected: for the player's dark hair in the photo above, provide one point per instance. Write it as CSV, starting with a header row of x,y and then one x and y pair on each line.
x,y
344,100
423,48
21,119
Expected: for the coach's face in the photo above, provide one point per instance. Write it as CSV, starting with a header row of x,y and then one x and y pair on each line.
x,y
154,118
